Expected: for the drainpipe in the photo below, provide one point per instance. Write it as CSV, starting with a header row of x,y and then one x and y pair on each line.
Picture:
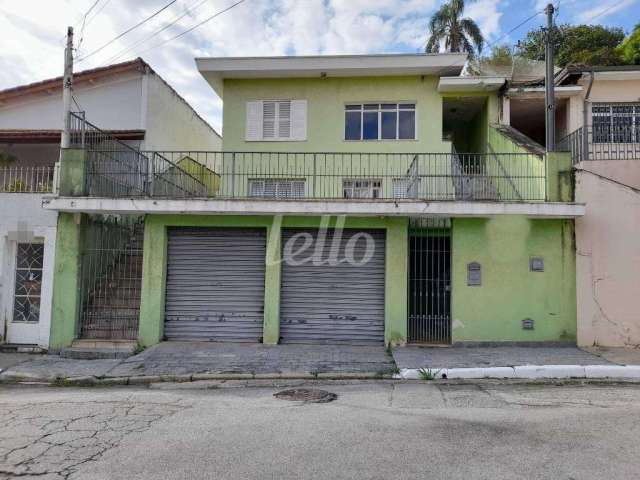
x,y
585,118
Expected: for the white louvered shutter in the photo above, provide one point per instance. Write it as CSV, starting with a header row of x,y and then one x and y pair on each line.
x,y
269,130
253,127
298,120
284,119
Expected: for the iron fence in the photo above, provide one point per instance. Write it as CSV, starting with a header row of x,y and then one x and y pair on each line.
x,y
603,143
29,179
111,277
290,176
429,281
115,169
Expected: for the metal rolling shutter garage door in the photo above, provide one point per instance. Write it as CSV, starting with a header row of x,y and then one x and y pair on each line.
x,y
342,303
215,284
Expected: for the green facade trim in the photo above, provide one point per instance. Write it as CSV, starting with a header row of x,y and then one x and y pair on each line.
x,y
66,278
509,291
155,260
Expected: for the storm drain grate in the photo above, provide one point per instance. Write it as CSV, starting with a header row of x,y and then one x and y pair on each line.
x,y
310,395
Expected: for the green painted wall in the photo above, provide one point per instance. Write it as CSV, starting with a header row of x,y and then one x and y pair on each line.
x,y
64,313
155,259
72,172
522,171
325,118
510,292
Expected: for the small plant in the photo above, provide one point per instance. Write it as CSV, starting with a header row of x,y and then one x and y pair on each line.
x,y
428,374
16,186
139,348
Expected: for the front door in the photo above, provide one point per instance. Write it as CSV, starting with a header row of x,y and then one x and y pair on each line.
x,y
24,313
429,282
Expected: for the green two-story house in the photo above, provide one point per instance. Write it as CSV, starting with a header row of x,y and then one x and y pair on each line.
x,y
361,199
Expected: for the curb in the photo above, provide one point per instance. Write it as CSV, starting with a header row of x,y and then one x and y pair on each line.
x,y
91,381
531,372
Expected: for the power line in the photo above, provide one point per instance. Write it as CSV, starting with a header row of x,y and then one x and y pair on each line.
x,y
157,32
194,27
610,7
524,22
84,21
128,30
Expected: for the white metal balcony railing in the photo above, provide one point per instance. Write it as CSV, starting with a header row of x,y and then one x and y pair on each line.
x,y
27,179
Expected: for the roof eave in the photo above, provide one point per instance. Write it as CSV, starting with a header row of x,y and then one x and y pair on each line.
x,y
216,69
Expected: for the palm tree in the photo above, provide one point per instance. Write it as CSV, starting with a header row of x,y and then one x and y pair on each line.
x,y
458,34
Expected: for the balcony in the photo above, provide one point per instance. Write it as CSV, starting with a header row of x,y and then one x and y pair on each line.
x,y
106,175
337,176
27,179
603,143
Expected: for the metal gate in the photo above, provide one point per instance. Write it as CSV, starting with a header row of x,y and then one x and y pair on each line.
x,y
333,290
111,277
215,284
429,282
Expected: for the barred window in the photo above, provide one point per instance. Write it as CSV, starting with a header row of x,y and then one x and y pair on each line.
x,y
276,188
616,123
356,188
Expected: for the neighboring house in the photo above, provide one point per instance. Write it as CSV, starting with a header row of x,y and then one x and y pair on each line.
x,y
604,137
132,104
598,121
356,199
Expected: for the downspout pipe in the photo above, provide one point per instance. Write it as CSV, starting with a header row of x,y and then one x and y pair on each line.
x,y
585,118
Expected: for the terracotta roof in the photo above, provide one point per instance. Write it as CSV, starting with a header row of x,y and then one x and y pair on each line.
x,y
79,77
10,135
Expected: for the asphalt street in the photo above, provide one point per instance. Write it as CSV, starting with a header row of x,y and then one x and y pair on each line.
x,y
374,430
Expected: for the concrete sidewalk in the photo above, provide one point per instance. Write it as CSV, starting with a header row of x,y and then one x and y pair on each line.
x,y
532,362
189,361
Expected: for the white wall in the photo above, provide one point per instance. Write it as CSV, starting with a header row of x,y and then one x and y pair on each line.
x,y
110,103
608,253
22,217
172,124
602,91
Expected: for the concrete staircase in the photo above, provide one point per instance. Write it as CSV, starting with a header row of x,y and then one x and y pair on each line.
x,y
112,311
84,349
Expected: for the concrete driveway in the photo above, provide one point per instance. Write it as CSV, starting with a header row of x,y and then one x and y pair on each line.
x,y
178,358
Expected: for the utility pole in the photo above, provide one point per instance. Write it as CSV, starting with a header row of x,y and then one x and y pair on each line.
x,y
67,83
549,97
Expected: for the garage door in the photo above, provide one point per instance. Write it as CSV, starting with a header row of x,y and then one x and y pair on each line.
x,y
333,289
215,284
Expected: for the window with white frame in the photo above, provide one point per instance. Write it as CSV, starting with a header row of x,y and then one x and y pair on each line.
x,y
28,282
616,122
276,188
380,121
276,120
361,188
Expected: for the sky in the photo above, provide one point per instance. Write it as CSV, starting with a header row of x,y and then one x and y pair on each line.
x,y
33,32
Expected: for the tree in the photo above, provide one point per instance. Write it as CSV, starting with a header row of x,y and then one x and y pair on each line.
x,y
458,34
584,44
501,56
629,49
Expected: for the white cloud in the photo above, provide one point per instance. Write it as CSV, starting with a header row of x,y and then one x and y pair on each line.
x,y
602,10
33,33
486,15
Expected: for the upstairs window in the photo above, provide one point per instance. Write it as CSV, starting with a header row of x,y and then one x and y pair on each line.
x,y
276,188
616,123
356,188
276,120
380,121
